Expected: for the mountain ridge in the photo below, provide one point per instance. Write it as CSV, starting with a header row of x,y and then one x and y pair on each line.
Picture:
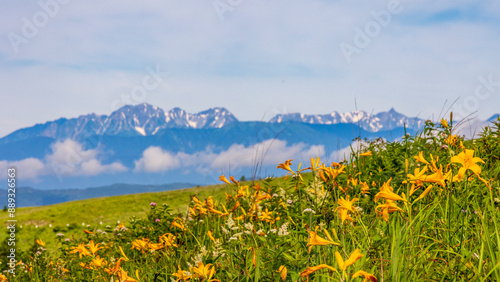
x,y
145,120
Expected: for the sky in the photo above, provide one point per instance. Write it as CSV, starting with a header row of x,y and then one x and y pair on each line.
x,y
65,58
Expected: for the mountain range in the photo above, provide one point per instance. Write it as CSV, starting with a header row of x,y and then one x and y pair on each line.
x,y
157,146
148,120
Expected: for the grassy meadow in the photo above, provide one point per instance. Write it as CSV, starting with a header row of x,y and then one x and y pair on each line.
x,y
425,208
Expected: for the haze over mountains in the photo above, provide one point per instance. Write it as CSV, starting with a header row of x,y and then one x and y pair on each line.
x,y
146,145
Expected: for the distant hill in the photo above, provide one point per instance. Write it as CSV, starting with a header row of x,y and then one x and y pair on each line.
x,y
30,197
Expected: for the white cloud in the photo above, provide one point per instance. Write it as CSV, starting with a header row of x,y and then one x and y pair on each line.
x,y
29,168
94,167
154,159
268,152
70,158
70,152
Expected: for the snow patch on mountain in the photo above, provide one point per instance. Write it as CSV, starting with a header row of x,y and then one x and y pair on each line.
x,y
373,123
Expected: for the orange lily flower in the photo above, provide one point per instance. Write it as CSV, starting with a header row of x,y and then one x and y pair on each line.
x,y
81,250
286,166
351,260
365,274
93,247
345,206
316,240
468,161
203,271
224,179
308,271
420,158
386,192
283,272
369,153
98,262
386,208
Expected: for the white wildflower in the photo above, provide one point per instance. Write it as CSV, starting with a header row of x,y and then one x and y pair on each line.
x,y
283,231
230,221
248,226
309,210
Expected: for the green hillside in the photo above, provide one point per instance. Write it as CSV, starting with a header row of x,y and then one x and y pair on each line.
x,y
72,217
423,209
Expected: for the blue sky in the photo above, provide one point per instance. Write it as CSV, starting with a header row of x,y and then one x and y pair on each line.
x,y
256,58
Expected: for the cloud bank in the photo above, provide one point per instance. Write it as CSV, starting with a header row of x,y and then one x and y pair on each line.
x,y
269,152
68,158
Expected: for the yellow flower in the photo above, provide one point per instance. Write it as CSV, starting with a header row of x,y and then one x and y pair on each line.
x,y
40,242
283,271
266,215
343,189
123,276
254,259
451,140
386,192
233,180
420,158
351,260
203,271
88,232
94,248
437,177
444,123
314,163
308,271
417,176
386,208
365,189
98,262
369,153
125,258
242,192
322,176
179,223
82,264
81,250
426,191
316,240
209,233
333,172
286,166
224,179
367,275
140,244
344,207
181,274
468,161
433,165
347,204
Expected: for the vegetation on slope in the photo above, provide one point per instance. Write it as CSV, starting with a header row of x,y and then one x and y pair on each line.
x,y
423,209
